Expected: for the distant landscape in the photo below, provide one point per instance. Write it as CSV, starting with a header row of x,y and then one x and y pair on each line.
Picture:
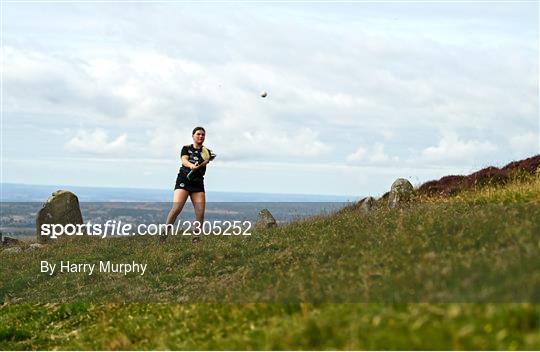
x,y
15,192
20,204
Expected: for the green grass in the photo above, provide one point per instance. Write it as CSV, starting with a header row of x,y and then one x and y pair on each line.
x,y
441,274
270,326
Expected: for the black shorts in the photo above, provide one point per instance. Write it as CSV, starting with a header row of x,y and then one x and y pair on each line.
x,y
191,186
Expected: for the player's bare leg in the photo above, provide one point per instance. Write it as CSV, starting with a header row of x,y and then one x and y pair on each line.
x,y
180,197
199,204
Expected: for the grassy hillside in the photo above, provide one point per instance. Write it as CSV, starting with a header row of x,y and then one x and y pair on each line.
x,y
443,273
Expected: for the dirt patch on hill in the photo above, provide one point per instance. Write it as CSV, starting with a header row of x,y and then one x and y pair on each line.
x,y
491,175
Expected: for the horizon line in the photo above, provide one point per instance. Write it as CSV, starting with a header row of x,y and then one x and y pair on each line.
x,y
164,189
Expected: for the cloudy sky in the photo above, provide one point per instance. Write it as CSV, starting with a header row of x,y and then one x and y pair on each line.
x,y
105,94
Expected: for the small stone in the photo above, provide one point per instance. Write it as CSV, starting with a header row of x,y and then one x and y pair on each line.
x,y
12,250
265,219
9,241
35,246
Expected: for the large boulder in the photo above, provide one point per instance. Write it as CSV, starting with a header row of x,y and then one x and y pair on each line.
x,y
61,208
265,219
401,192
367,204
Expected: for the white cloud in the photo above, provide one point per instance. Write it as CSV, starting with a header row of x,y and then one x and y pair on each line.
x,y
387,134
524,144
272,143
358,155
374,155
451,147
97,142
377,154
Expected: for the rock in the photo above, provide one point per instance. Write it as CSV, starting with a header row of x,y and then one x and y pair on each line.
x,y
384,198
400,192
12,250
61,208
35,246
265,219
8,241
367,204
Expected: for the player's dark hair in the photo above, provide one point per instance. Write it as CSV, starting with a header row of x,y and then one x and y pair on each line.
x,y
197,129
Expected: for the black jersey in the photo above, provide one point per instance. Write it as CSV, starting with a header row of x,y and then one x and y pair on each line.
x,y
195,156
